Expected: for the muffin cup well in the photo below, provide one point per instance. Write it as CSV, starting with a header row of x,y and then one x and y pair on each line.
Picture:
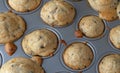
x,y
28,12
74,41
102,56
54,24
58,35
92,38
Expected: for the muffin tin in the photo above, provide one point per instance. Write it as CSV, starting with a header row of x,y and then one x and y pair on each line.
x,y
92,38
101,46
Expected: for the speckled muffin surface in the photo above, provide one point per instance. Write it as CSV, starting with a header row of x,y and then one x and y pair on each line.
x,y
106,8
118,10
78,56
110,64
91,26
103,5
21,65
12,27
115,36
57,13
42,42
24,5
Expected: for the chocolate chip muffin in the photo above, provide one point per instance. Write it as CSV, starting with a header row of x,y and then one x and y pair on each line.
x,y
42,42
102,5
21,65
12,27
106,8
78,55
24,5
110,64
57,13
115,36
118,10
91,26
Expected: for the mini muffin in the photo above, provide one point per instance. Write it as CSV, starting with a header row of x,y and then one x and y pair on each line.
x,y
78,56
91,26
118,10
115,36
103,5
21,65
12,27
42,42
110,64
106,8
24,5
57,13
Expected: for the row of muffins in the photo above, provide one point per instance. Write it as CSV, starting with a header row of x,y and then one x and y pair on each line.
x,y
43,45
76,56
55,12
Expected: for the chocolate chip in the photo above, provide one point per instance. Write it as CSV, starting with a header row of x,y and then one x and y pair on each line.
x,y
119,12
83,23
55,48
72,54
48,16
102,62
113,17
27,10
54,11
42,46
89,59
19,27
67,22
71,8
95,22
13,35
115,3
40,37
12,65
62,10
